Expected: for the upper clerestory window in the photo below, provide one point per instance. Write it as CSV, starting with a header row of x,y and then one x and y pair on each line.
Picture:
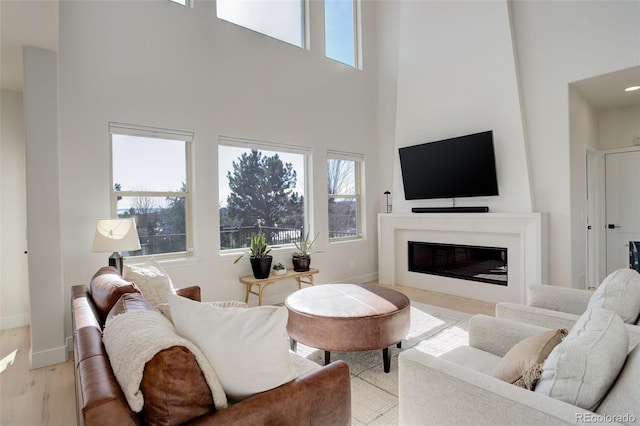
x,y
341,31
280,19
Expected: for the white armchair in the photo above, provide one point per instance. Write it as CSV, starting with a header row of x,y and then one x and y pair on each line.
x,y
560,307
457,388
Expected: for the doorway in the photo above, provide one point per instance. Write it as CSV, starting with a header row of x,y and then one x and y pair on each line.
x,y
622,207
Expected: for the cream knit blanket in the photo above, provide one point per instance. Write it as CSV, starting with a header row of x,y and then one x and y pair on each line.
x,y
133,338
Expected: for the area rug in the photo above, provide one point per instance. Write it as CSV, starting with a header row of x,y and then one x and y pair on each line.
x,y
374,394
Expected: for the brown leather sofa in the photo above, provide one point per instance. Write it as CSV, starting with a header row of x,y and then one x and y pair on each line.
x,y
172,377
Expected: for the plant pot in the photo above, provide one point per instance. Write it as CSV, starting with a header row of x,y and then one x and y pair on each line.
x,y
261,266
301,263
279,271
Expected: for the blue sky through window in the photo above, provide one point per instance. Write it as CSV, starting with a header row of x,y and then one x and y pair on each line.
x,y
339,30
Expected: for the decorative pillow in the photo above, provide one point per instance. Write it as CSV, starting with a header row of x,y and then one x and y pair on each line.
x,y
581,369
247,347
106,288
619,292
166,310
152,280
525,355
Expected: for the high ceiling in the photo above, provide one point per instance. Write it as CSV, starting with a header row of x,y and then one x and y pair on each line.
x,y
35,23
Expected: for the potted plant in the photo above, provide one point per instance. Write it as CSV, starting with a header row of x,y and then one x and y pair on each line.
x,y
279,269
258,255
301,258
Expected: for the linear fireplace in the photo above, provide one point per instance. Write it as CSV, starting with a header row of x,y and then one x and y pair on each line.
x,y
474,263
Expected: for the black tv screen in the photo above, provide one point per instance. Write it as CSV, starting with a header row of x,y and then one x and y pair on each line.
x,y
451,168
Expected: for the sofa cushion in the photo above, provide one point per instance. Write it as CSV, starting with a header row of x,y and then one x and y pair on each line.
x,y
106,288
527,354
247,347
152,280
581,369
619,292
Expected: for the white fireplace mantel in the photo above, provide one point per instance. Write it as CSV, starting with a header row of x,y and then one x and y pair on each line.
x,y
524,234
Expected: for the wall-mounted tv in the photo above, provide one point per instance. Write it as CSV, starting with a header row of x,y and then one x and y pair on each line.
x,y
463,166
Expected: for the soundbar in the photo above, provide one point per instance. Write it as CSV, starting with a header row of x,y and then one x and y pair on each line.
x,y
468,209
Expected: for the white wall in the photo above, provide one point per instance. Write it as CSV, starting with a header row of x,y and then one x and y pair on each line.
x,y
583,125
14,284
159,64
457,75
617,128
46,292
558,43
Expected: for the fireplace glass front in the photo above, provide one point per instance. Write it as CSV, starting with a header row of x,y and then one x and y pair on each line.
x,y
474,263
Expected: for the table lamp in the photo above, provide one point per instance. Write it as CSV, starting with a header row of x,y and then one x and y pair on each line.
x,y
115,235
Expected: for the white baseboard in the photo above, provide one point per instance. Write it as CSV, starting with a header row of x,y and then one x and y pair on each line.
x,y
14,321
48,357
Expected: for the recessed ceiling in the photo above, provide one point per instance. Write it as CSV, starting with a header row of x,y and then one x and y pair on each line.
x,y
607,91
24,23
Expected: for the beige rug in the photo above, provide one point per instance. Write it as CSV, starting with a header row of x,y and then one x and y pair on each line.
x,y
374,394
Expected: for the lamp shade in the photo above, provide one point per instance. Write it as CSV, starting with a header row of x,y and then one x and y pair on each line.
x,y
113,235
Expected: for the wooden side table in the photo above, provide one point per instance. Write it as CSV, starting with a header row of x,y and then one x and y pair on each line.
x,y
250,281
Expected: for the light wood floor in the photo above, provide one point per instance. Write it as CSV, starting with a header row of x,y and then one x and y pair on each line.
x,y
46,396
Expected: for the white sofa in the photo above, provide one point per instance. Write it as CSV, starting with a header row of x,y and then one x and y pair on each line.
x,y
457,388
560,307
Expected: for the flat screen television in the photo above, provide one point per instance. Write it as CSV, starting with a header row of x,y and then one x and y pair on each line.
x,y
463,166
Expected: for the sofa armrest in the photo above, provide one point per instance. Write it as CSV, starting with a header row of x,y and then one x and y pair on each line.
x,y
192,293
536,316
563,299
436,391
320,398
498,335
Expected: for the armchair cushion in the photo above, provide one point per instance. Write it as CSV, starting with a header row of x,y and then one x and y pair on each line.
x,y
527,354
582,368
619,292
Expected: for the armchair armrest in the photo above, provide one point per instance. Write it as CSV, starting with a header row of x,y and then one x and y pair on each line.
x,y
563,299
320,398
498,335
192,293
534,315
436,391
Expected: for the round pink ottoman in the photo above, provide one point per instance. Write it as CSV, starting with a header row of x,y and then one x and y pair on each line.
x,y
348,318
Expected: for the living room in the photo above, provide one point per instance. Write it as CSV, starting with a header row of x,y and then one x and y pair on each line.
x,y
428,71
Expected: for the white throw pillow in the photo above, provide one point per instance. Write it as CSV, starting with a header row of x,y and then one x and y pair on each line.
x,y
152,280
247,347
582,368
619,292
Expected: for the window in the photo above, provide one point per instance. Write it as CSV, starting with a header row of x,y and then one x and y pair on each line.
x,y
186,3
150,171
262,187
345,196
340,31
281,19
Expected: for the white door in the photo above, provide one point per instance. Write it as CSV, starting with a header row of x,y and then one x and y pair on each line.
x,y
622,193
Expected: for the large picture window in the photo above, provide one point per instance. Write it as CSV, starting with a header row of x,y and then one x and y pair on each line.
x,y
150,171
345,195
262,187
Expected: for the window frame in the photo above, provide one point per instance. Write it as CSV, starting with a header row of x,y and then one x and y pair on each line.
x,y
276,147
125,129
359,166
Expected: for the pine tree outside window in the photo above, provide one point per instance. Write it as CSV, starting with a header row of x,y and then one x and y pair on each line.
x,y
262,188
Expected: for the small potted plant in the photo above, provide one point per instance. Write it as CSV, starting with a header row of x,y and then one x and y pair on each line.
x,y
258,255
279,269
301,258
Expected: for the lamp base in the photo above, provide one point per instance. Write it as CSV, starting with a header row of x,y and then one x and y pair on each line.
x,y
117,261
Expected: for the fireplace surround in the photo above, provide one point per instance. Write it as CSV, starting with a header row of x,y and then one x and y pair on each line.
x,y
523,235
